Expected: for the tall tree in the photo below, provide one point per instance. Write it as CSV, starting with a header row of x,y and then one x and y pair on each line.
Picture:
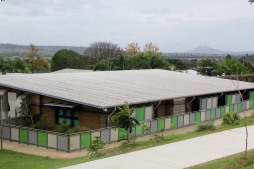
x,y
251,1
152,49
131,49
65,59
232,67
123,119
35,60
100,50
206,67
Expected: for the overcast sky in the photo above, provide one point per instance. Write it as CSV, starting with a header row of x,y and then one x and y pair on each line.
x,y
174,25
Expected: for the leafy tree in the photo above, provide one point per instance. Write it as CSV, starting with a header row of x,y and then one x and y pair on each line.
x,y
206,67
251,1
152,49
6,65
25,112
123,119
232,67
177,64
101,50
35,60
20,66
65,59
132,49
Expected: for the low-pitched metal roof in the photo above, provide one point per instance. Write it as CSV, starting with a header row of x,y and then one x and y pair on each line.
x,y
106,89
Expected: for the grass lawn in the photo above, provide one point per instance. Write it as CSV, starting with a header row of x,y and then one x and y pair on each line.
x,y
230,162
14,160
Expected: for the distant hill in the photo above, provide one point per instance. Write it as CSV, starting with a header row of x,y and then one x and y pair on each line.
x,y
207,50
46,51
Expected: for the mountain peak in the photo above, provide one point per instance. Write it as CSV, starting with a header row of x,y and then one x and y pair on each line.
x,y
207,50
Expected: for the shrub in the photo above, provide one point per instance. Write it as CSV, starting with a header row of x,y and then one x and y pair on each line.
x,y
209,125
75,129
231,119
95,146
41,124
62,128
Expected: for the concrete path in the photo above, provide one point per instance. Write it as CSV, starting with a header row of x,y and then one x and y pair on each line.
x,y
180,154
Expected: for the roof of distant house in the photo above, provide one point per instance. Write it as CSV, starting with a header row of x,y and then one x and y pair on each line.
x,y
67,70
106,89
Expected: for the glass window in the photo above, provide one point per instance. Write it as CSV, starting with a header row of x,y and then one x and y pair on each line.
x,y
60,112
60,120
76,114
68,121
67,116
76,123
68,113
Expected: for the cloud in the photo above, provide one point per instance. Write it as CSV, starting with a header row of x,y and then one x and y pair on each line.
x,y
164,22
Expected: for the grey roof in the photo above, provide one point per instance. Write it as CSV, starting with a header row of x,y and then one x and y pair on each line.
x,y
112,88
67,70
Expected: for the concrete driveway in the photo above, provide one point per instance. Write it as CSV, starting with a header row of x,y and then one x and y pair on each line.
x,y
181,154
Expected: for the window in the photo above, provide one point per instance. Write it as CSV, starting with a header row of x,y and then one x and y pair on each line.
x,y
68,116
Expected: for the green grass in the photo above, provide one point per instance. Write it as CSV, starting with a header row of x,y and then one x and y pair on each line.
x,y
13,160
231,162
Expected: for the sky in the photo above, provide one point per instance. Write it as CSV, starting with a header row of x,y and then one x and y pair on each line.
x,y
173,25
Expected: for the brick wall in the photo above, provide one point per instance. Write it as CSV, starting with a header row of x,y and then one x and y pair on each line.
x,y
161,111
91,120
49,113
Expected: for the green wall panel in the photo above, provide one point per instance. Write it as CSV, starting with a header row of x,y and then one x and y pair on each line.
x,y
161,124
139,130
42,139
174,122
251,95
213,114
251,104
23,135
122,134
85,140
240,107
222,111
229,99
197,117
231,108
140,114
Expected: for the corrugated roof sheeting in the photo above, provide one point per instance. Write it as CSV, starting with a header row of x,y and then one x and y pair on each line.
x,y
112,88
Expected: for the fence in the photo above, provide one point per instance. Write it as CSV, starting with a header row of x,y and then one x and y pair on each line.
x,y
81,140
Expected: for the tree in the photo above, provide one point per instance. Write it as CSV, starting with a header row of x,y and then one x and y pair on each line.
x,y
177,64
123,119
152,49
65,59
35,60
20,66
132,49
100,50
251,1
232,67
206,67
